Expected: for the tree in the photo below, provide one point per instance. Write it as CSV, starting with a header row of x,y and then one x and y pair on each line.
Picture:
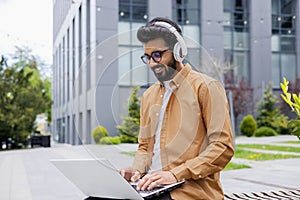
x,y
268,113
23,95
242,99
130,127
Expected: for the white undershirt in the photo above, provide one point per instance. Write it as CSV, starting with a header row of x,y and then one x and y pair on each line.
x,y
156,159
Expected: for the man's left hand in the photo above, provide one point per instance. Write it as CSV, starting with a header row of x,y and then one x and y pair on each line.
x,y
154,179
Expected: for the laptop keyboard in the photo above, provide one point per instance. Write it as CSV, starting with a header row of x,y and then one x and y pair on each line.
x,y
147,191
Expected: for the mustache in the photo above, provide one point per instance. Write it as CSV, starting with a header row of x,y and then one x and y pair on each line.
x,y
157,66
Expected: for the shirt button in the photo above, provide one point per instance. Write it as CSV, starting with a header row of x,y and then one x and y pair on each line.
x,y
156,114
161,96
200,176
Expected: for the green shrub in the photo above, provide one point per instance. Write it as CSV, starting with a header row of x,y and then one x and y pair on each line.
x,y
129,129
248,125
128,139
269,114
98,133
110,140
264,131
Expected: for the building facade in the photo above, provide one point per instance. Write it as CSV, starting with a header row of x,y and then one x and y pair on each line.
x,y
96,57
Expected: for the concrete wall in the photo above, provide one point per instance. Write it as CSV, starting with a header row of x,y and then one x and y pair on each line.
x,y
260,45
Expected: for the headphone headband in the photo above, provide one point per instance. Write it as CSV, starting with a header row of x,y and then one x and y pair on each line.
x,y
180,49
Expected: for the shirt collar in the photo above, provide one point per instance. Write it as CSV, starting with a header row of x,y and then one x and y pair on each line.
x,y
179,77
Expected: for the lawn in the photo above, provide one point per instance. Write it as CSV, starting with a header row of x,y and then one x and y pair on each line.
x,y
291,142
270,147
231,166
250,155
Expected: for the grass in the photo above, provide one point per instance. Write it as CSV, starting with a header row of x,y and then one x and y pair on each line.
x,y
291,142
250,155
232,166
129,153
270,147
229,166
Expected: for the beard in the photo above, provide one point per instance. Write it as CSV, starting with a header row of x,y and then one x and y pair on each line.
x,y
167,72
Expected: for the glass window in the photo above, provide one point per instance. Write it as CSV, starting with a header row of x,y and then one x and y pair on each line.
x,y
287,43
276,21
240,5
134,28
191,4
275,42
192,17
186,12
240,40
241,64
236,38
124,10
275,6
133,10
288,66
124,33
288,6
191,36
139,69
275,70
226,19
194,57
240,19
227,5
124,66
283,40
227,38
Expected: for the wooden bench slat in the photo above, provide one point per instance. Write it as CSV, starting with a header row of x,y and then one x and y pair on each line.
x,y
290,194
270,195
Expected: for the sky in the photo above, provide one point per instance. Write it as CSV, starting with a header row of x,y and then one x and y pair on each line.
x,y
27,23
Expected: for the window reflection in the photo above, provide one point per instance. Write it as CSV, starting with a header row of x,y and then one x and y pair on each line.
x,y
132,15
236,38
283,40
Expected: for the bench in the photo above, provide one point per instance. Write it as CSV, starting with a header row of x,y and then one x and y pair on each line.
x,y
271,195
40,140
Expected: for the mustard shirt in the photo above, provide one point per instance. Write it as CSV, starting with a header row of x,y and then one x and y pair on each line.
x,y
196,136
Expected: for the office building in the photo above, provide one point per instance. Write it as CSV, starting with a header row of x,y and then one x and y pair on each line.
x,y
96,57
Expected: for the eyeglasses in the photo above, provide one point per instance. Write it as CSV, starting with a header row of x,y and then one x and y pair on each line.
x,y
155,55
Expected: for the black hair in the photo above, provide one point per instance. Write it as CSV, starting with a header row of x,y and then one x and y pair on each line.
x,y
151,31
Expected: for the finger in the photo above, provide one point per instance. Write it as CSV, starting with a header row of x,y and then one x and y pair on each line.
x,y
135,177
122,172
143,181
153,185
152,178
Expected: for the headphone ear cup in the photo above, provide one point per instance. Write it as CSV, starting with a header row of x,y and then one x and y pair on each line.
x,y
177,52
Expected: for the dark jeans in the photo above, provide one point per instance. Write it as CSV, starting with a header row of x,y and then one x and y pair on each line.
x,y
165,196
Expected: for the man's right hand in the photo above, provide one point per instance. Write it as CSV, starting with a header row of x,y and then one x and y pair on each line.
x,y
130,174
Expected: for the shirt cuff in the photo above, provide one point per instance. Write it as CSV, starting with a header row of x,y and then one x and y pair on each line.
x,y
181,172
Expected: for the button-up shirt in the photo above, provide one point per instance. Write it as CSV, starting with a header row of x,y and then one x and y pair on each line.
x,y
156,159
196,137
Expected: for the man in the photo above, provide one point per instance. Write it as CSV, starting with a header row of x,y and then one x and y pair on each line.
x,y
185,130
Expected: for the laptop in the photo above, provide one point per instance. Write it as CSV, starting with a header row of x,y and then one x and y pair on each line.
x,y
99,178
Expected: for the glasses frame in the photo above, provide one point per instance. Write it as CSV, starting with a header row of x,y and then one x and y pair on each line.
x,y
146,58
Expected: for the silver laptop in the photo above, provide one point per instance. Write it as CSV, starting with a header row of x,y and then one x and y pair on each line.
x,y
99,178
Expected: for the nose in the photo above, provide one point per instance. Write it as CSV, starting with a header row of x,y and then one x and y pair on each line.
x,y
152,63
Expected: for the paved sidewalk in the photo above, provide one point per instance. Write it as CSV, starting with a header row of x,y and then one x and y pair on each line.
x,y
271,175
28,174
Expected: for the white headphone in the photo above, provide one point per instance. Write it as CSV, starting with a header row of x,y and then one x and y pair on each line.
x,y
180,49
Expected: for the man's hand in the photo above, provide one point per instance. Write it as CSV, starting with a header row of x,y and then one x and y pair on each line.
x,y
130,174
155,179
